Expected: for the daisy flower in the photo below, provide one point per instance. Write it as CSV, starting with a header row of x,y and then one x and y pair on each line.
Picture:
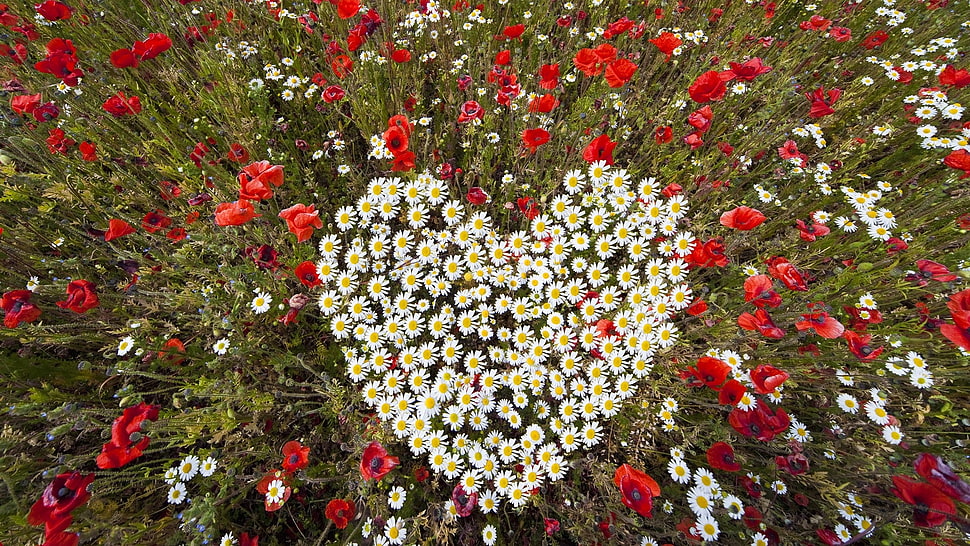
x,y
176,495
220,347
207,467
261,303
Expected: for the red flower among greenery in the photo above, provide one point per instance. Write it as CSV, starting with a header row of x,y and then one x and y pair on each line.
x,y
256,181
120,105
375,463
533,138
931,507
721,456
742,218
301,220
127,441
340,512
17,308
707,87
81,297
67,492
637,488
236,213
295,456
306,273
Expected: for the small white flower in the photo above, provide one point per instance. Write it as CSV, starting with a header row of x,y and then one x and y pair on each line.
x,y
208,466
220,347
177,493
261,303
275,491
126,344
188,468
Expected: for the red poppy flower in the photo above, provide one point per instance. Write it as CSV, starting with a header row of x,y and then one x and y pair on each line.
x,y
761,422
795,464
52,10
549,76
476,196
934,470
822,101
840,34
721,456
65,493
396,140
401,56
127,441
58,143
527,206
172,351
709,371
18,308
731,393
619,72
746,71
707,87
512,32
600,149
347,8
697,307
340,512
817,22
306,272
592,61
403,161
742,218
823,325
470,110
767,378
236,213
708,254
295,456
333,93
376,463
155,221
256,180
667,42
637,488
544,104
81,297
761,322
617,27
463,501
533,138
551,526
788,150
782,270
701,119
959,332
503,57
119,105
301,219
951,76
859,346
88,151
238,153
758,289
663,135
876,39
931,507
811,232
960,160
246,540
25,104
117,228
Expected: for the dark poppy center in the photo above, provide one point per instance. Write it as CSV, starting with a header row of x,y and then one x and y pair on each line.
x,y
65,493
294,458
866,350
17,306
375,464
636,495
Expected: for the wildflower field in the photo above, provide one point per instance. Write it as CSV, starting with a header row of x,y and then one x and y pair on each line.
x,y
514,272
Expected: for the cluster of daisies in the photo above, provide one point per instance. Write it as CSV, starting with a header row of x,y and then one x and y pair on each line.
x,y
483,351
929,105
181,474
